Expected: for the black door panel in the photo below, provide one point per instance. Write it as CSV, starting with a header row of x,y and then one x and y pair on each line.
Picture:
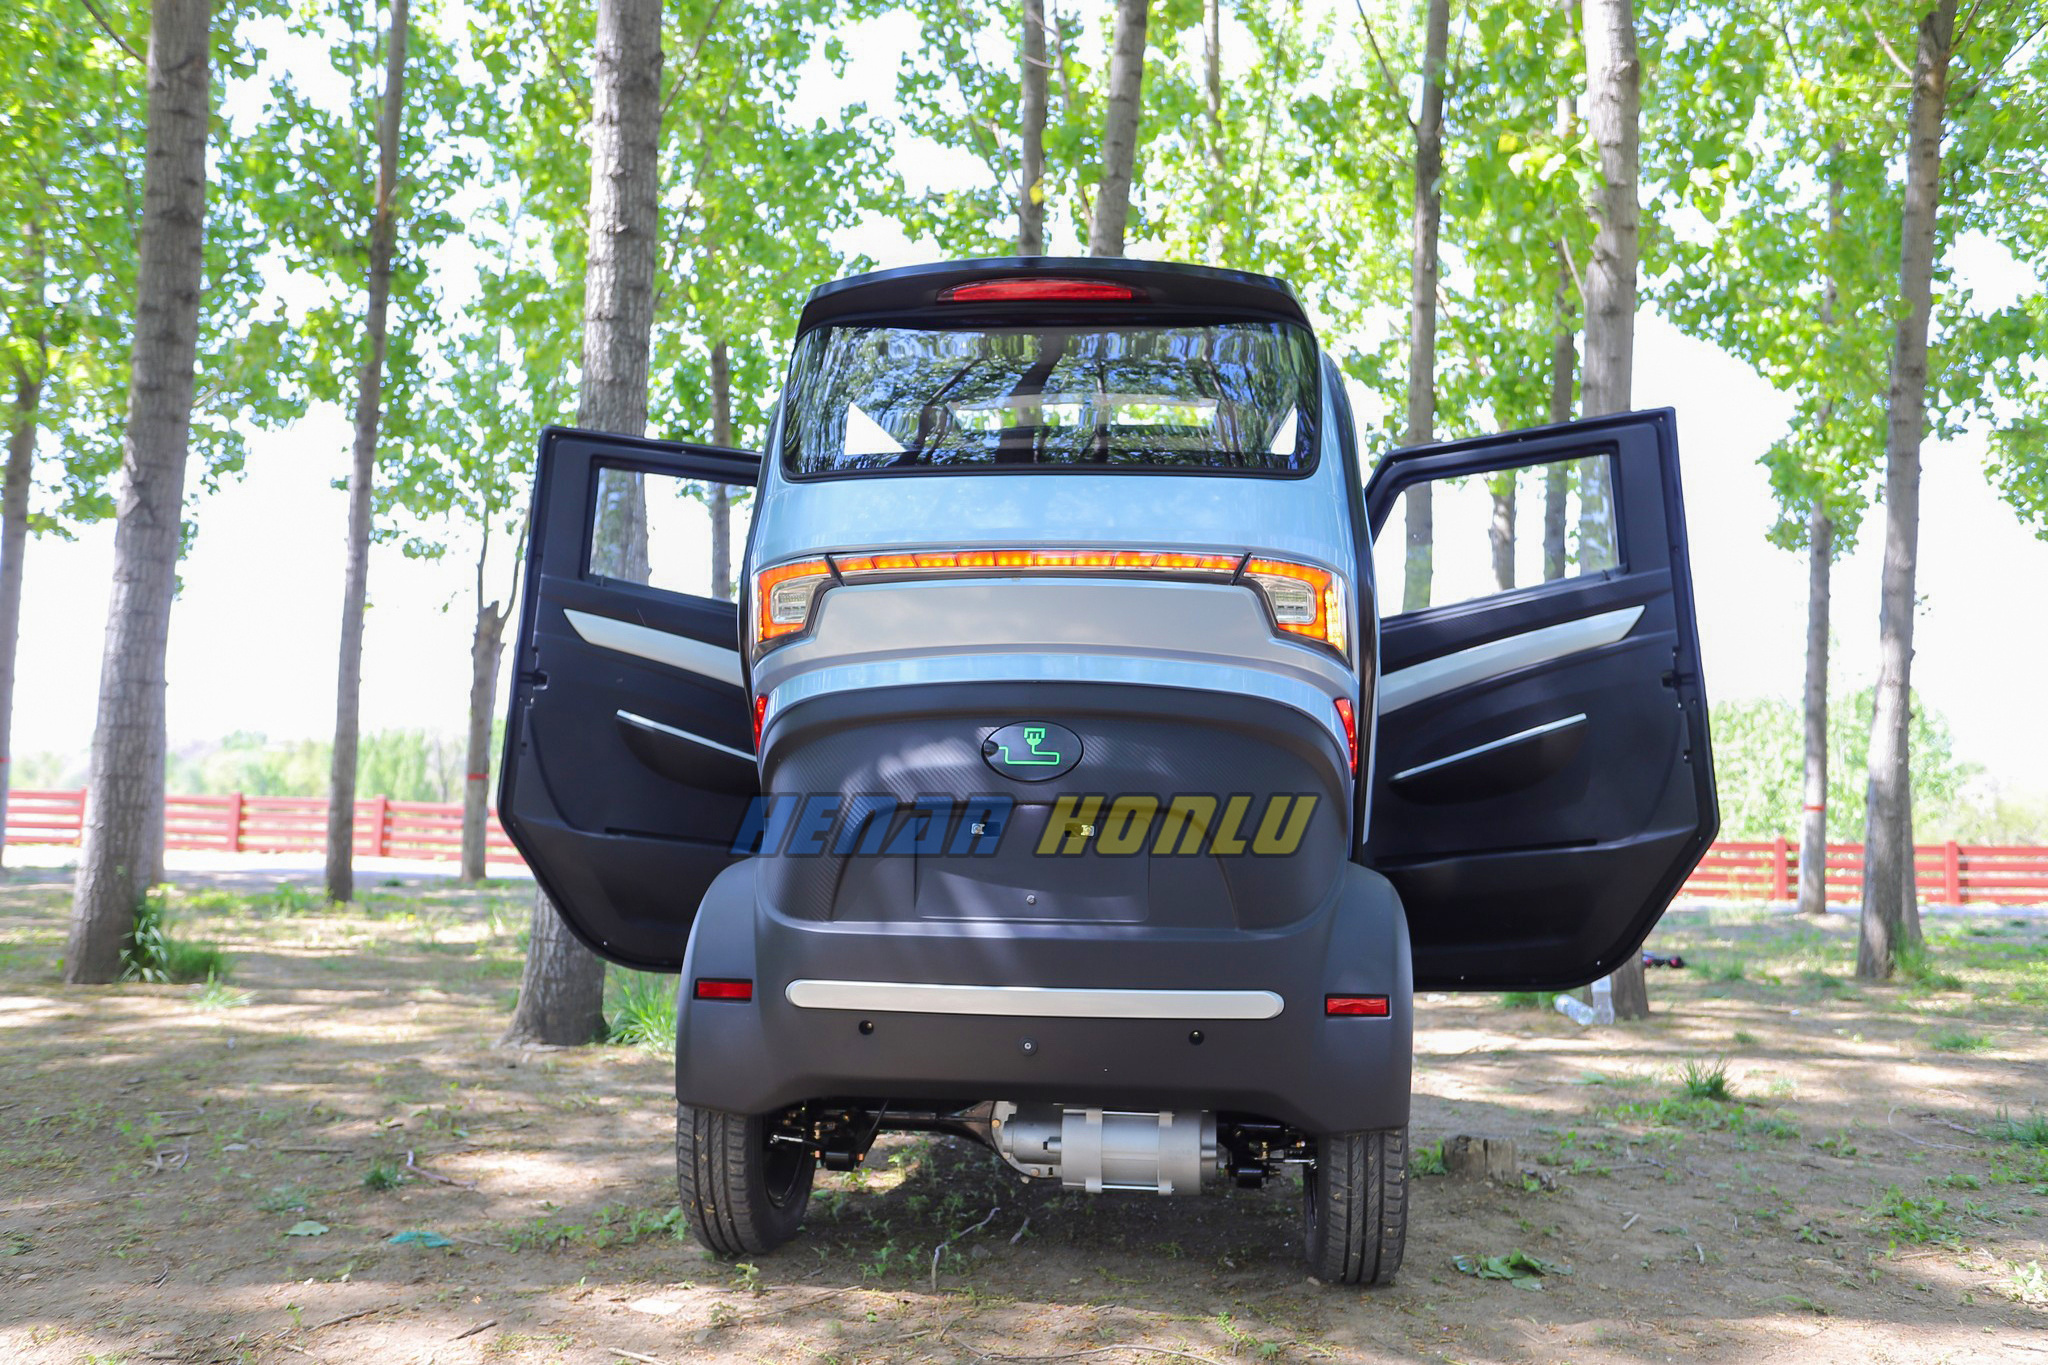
x,y
1542,783
629,746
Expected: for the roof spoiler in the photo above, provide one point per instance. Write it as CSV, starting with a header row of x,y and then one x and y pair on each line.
x,y
1073,285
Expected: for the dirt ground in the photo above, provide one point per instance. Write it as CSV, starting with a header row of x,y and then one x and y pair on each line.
x,y
192,1173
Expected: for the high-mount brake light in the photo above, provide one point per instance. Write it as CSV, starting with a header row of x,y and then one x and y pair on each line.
x,y
1305,600
1029,289
783,596
723,988
1357,1006
934,562
1345,713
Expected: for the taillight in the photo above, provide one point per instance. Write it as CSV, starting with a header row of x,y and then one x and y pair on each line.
x,y
761,714
1345,713
1051,289
723,988
1357,1006
1305,600
783,596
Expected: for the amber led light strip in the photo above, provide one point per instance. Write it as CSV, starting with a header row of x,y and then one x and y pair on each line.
x,y
981,561
1305,601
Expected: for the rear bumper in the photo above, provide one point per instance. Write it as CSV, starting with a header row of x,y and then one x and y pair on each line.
x,y
1130,1017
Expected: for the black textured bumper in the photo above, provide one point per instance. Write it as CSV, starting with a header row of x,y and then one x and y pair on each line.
x,y
1316,1073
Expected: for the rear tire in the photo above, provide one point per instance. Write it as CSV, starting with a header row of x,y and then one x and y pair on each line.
x,y
742,1195
1355,1206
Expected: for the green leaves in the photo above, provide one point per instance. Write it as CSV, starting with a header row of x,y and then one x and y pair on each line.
x,y
1518,1268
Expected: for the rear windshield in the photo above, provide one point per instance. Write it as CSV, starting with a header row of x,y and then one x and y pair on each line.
x,y
1233,397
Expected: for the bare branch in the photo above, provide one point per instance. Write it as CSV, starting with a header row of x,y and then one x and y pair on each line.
x,y
119,41
1889,50
689,72
1393,86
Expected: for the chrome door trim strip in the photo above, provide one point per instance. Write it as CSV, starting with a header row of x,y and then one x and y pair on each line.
x,y
1434,677
658,646
1476,750
641,722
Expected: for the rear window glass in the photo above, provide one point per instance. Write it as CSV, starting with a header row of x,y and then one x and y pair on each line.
x,y
1229,397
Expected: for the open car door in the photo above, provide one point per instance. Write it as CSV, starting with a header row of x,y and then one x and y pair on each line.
x,y
1541,778
629,755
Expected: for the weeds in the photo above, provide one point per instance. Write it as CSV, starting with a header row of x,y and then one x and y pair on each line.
x,y
643,1011
2031,1131
218,995
1427,1160
1959,1040
2028,1283
1705,1080
1915,966
1918,1221
383,1175
1726,970
1528,1000
150,954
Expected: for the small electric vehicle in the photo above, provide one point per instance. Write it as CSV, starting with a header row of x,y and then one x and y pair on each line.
x,y
1063,778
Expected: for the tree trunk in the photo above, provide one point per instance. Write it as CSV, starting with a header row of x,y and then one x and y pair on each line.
x,y
1032,75
1612,78
1120,130
1564,366
1813,818
718,496
1212,107
21,454
486,647
170,268
561,996
1500,534
348,689
1427,220
1820,558
1888,889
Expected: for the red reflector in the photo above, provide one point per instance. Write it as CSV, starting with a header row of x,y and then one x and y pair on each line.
x,y
1029,288
1367,1006
715,988
1346,714
761,714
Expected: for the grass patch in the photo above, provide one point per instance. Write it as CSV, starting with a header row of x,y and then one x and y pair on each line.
x,y
1915,967
1427,1160
1528,1000
1918,1221
383,1175
2031,1131
151,954
1702,1080
1729,969
218,995
1959,1040
643,1010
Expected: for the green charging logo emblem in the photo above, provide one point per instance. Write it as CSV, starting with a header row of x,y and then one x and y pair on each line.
x,y
1032,751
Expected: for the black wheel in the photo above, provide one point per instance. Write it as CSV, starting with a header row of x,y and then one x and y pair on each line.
x,y
742,1194
1355,1206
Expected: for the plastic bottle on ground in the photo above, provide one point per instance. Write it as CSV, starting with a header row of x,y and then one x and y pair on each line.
x,y
1603,1000
1574,1010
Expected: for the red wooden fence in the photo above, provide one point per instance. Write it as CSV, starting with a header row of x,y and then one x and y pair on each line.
x,y
1948,874
269,824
